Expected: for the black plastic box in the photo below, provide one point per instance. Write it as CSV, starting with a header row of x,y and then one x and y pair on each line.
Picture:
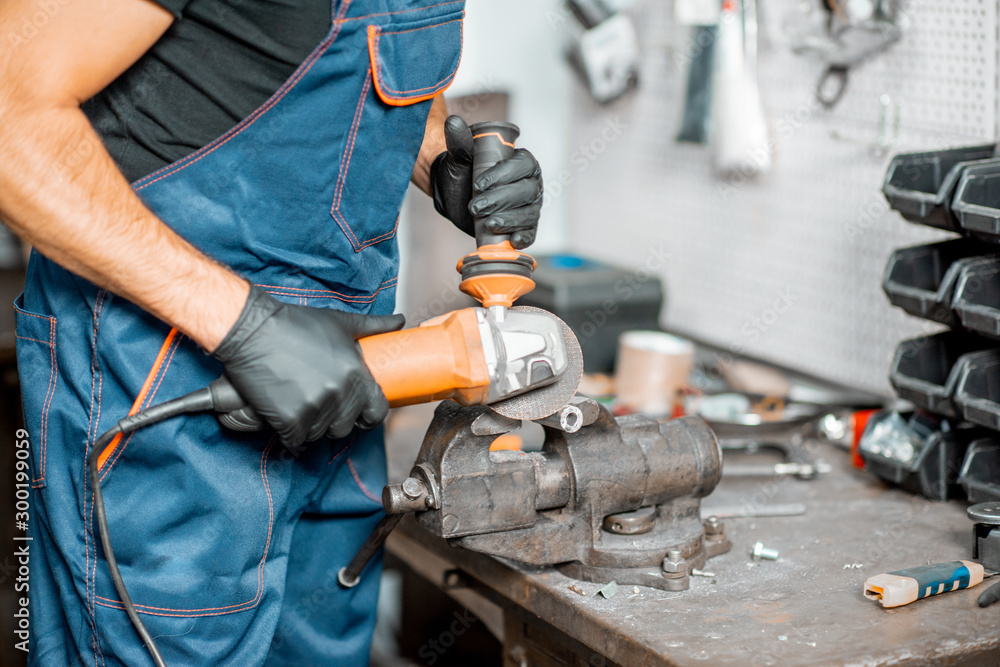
x,y
921,279
939,451
598,301
977,390
977,201
921,185
925,370
980,475
976,301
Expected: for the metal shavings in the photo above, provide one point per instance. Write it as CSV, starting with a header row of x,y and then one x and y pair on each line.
x,y
609,590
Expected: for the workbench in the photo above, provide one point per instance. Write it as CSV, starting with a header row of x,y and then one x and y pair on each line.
x,y
806,608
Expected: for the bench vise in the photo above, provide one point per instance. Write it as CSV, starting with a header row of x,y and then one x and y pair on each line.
x,y
605,499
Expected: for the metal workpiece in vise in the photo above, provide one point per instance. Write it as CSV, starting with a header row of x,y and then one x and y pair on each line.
x,y
605,499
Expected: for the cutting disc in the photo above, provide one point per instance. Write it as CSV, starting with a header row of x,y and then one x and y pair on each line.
x,y
544,401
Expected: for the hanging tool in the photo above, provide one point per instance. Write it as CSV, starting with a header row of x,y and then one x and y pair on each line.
x,y
524,362
853,32
604,49
740,139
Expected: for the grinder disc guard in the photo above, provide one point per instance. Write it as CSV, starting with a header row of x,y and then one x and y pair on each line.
x,y
545,401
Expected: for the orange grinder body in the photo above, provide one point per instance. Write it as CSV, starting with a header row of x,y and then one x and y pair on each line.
x,y
442,358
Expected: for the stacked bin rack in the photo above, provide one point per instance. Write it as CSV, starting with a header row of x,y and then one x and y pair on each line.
x,y
953,378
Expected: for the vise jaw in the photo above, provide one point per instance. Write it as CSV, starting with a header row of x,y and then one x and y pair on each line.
x,y
618,499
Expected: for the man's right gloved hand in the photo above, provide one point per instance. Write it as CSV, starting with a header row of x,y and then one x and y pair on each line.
x,y
300,368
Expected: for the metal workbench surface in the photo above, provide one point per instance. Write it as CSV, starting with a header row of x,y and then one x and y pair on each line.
x,y
805,608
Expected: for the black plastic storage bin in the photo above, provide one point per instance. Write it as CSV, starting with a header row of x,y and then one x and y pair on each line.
x,y
921,185
977,201
939,450
598,302
977,389
921,279
976,301
925,370
980,476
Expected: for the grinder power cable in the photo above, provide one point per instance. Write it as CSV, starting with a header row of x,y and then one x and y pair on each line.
x,y
525,363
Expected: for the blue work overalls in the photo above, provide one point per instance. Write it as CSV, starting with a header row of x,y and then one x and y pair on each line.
x,y
230,544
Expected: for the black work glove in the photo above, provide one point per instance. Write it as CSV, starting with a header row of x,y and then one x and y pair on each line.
x,y
510,192
300,369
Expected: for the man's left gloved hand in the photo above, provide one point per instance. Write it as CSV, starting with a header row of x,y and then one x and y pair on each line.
x,y
510,192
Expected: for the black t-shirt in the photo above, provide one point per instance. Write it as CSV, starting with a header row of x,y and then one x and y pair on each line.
x,y
218,62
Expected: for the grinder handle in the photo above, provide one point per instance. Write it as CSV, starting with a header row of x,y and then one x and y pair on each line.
x,y
494,142
442,358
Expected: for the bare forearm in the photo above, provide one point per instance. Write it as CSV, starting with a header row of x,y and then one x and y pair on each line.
x,y
61,191
432,146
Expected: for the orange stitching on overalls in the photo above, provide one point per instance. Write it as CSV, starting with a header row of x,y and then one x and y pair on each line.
x,y
436,25
378,65
49,395
361,485
354,436
54,375
318,296
402,11
92,432
250,120
383,236
120,607
34,340
149,400
137,404
41,317
342,178
323,291
400,99
115,604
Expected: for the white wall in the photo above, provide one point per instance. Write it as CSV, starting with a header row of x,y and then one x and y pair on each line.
x,y
787,267
516,46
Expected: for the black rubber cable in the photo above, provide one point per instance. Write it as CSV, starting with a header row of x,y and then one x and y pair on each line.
x,y
196,401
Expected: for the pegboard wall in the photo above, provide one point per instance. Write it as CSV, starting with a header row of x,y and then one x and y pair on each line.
x,y
788,266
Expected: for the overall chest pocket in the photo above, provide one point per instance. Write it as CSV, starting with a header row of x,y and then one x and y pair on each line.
x,y
408,64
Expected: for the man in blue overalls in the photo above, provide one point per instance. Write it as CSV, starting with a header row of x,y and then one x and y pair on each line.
x,y
226,200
